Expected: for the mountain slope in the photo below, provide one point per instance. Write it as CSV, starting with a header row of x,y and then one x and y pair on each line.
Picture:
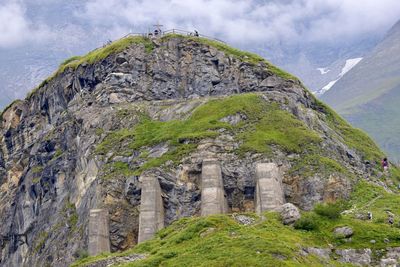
x,y
367,94
159,107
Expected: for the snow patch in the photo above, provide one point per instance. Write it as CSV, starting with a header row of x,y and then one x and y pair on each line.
x,y
323,70
327,87
350,63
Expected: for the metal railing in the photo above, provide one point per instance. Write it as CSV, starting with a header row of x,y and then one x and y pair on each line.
x,y
173,31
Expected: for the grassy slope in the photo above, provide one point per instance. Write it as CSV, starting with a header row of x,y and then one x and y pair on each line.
x,y
381,119
353,137
190,242
265,125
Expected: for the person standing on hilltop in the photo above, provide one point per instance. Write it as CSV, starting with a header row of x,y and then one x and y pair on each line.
x,y
385,165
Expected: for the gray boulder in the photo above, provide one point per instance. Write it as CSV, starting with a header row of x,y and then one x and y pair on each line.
x,y
289,213
344,231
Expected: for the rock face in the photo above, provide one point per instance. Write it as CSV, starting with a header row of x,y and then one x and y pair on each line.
x,y
289,213
358,257
81,141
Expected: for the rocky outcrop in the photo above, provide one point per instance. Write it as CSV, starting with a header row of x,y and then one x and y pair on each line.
x,y
358,257
52,173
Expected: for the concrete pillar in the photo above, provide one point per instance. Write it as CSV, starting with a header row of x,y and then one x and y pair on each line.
x,y
213,200
269,191
151,217
99,234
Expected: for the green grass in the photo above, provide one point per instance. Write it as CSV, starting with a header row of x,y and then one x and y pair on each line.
x,y
278,127
37,169
312,163
265,125
331,210
369,197
70,214
118,168
220,241
101,53
58,153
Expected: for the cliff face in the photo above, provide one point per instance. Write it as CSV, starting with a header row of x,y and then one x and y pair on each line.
x,y
83,138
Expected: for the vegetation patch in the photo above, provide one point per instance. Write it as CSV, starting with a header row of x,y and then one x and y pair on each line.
x,y
331,210
37,169
368,197
40,241
307,222
265,125
58,153
101,53
277,127
117,168
352,137
309,164
70,215
233,244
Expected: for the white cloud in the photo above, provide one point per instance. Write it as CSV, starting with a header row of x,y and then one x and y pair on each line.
x,y
15,27
251,20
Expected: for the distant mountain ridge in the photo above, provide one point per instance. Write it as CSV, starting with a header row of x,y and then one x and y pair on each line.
x,y
369,94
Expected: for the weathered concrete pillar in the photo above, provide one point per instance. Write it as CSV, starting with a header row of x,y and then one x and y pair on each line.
x,y
269,191
99,234
213,200
151,217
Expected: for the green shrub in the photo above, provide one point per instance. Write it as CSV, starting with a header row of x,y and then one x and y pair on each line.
x,y
81,254
330,210
308,222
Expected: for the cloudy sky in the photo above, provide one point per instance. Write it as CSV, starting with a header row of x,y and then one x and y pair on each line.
x,y
36,35
234,21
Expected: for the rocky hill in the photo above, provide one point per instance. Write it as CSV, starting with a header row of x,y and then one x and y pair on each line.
x,y
89,137
368,95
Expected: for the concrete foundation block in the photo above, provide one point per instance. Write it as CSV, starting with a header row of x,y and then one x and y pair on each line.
x,y
151,217
269,191
99,234
213,200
